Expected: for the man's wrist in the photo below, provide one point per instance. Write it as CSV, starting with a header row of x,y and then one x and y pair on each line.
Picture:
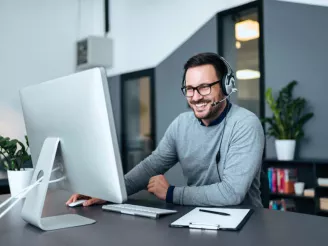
x,y
169,194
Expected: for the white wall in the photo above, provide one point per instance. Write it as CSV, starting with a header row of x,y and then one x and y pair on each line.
x,y
312,2
38,39
145,32
37,44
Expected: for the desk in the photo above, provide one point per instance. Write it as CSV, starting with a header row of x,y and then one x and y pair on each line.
x,y
265,227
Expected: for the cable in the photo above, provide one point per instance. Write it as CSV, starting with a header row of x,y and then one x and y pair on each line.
x,y
25,191
22,191
218,155
57,180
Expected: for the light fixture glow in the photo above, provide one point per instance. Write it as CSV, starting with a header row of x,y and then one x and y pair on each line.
x,y
247,74
247,30
238,45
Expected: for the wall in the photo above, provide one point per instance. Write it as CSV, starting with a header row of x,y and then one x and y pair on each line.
x,y
168,75
37,44
146,32
312,2
296,49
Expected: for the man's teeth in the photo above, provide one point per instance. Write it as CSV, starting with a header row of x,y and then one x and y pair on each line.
x,y
200,104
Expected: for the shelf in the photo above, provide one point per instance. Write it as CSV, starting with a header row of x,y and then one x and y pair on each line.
x,y
321,211
322,187
292,196
296,161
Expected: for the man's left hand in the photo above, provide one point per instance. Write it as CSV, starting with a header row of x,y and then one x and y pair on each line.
x,y
158,185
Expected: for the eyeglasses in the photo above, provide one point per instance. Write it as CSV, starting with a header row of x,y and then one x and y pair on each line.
x,y
204,89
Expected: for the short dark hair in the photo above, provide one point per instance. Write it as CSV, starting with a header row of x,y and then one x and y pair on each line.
x,y
205,59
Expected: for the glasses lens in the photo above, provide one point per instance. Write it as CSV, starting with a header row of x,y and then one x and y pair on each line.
x,y
204,90
189,92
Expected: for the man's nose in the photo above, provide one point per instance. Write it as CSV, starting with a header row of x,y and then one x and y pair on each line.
x,y
196,97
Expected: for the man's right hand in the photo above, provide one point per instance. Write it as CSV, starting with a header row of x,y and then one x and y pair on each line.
x,y
89,200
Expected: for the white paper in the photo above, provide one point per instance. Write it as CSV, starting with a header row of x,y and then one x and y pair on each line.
x,y
226,222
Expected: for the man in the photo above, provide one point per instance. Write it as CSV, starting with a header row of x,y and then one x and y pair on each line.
x,y
219,145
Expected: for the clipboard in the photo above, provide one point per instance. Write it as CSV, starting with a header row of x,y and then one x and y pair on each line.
x,y
197,219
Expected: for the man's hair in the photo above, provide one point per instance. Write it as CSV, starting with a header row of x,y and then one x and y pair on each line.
x,y
205,59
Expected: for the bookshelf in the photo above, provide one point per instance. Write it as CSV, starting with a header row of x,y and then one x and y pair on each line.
x,y
275,195
308,171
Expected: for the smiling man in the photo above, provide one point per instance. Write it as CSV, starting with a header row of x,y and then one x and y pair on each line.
x,y
219,145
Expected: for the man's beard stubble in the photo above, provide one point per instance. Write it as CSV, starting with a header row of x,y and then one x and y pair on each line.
x,y
213,110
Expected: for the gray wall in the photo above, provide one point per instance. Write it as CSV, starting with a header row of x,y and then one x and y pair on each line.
x,y
115,95
168,75
296,39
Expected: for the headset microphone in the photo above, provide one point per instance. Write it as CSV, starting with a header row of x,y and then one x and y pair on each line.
x,y
216,103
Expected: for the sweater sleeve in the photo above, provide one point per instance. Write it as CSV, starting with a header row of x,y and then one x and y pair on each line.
x,y
243,161
162,159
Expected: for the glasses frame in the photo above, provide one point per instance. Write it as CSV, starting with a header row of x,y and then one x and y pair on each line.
x,y
197,88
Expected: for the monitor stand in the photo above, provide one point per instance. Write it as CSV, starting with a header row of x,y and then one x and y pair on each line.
x,y
34,202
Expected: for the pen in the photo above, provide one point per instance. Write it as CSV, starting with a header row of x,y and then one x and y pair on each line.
x,y
213,212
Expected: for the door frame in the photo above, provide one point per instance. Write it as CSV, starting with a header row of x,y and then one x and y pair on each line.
x,y
258,5
124,78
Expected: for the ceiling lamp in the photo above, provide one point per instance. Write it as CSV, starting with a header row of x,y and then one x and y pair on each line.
x,y
247,30
247,74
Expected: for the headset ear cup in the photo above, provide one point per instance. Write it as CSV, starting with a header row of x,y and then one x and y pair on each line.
x,y
230,85
223,85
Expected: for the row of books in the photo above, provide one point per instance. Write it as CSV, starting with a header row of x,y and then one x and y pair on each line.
x,y
282,180
282,205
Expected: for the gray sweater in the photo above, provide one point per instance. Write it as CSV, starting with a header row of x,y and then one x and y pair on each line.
x,y
234,180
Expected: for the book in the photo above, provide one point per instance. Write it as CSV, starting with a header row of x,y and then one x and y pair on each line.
x,y
282,180
290,179
282,205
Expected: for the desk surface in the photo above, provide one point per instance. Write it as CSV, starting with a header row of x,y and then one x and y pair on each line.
x,y
265,227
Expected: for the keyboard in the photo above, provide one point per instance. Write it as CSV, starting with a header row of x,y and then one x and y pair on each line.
x,y
130,209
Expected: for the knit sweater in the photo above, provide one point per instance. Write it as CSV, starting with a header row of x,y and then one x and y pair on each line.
x,y
233,178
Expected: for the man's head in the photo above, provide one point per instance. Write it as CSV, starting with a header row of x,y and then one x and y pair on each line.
x,y
204,71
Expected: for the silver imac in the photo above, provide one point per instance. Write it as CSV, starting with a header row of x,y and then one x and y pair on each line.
x,y
69,123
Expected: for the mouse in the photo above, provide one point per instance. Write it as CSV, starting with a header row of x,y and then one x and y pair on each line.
x,y
77,203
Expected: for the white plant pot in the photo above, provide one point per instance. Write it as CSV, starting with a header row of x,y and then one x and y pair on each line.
x,y
285,149
18,180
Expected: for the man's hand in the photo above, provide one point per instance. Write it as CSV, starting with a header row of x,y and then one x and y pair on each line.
x,y
158,185
90,201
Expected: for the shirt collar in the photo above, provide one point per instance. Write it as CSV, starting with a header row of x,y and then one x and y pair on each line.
x,y
220,118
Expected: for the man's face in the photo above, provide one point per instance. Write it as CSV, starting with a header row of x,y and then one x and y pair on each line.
x,y
201,104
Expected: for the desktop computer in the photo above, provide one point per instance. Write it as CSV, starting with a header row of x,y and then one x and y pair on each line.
x,y
70,125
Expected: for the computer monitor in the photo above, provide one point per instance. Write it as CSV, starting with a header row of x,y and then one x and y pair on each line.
x,y
69,123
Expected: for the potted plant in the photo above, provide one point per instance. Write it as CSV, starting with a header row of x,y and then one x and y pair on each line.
x,y
287,121
14,157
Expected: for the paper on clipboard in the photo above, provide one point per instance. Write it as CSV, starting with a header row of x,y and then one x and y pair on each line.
x,y
196,217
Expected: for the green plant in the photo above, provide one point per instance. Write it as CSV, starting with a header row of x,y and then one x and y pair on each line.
x,y
288,116
13,153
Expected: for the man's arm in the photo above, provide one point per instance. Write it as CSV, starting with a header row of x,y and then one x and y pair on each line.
x,y
243,162
161,160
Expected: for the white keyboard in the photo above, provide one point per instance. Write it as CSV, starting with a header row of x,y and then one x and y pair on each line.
x,y
138,210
